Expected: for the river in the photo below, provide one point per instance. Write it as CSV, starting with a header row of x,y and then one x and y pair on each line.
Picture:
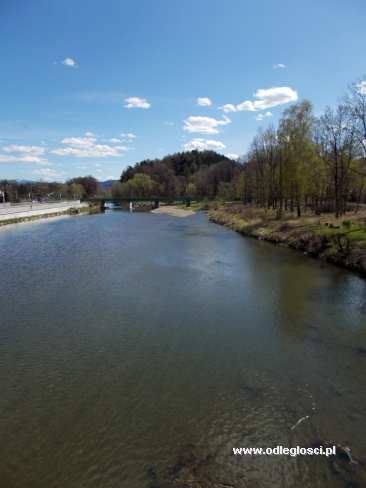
x,y
137,349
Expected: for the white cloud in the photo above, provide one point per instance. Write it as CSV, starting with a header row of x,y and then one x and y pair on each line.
x,y
35,150
228,107
204,102
279,66
167,122
95,151
232,156
48,174
90,134
7,158
203,144
362,87
33,159
23,154
69,62
114,140
87,147
262,116
79,141
128,135
204,125
266,98
136,102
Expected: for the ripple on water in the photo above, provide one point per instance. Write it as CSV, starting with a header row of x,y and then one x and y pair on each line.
x,y
136,351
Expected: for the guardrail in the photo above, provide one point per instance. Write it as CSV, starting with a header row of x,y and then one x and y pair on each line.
x,y
20,208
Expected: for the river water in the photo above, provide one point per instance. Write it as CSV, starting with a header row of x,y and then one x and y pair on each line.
x,y
138,349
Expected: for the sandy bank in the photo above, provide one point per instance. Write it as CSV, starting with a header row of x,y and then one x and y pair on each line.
x,y
172,210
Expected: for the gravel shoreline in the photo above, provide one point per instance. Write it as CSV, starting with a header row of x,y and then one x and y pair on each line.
x,y
173,210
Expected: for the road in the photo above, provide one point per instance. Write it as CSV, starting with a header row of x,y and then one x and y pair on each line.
x,y
22,210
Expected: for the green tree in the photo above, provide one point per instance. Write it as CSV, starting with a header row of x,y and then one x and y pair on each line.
x,y
76,191
297,149
89,183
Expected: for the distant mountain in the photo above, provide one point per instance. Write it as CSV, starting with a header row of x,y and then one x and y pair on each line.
x,y
107,184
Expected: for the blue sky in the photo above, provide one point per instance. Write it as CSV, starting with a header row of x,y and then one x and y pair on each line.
x,y
89,87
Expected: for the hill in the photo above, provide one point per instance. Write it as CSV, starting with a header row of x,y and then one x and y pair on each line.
x,y
193,173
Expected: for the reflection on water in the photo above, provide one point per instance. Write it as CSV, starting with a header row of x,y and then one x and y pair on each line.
x,y
136,350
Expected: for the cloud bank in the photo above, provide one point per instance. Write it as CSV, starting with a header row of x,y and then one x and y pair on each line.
x,y
87,147
265,98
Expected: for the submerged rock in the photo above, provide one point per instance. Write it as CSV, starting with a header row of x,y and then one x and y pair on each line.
x,y
361,350
343,466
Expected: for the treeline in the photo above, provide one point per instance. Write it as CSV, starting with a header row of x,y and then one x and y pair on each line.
x,y
307,163
310,163
194,174
76,188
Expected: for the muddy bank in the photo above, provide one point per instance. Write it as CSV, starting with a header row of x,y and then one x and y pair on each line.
x,y
341,242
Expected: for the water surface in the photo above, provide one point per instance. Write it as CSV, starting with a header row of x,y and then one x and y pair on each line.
x,y
128,340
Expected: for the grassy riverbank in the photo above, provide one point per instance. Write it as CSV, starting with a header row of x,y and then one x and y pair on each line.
x,y
339,241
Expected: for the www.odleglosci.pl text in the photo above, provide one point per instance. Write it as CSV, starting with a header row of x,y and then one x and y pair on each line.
x,y
285,451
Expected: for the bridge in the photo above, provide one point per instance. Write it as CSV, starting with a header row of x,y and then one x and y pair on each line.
x,y
155,201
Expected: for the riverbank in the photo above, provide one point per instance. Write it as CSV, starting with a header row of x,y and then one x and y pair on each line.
x,y
45,211
174,211
338,241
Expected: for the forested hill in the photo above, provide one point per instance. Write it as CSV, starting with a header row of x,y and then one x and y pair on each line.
x,y
181,164
194,173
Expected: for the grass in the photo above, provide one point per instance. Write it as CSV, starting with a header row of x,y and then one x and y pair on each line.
x,y
341,241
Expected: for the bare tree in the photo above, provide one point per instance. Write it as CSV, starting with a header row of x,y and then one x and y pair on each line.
x,y
356,101
339,146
